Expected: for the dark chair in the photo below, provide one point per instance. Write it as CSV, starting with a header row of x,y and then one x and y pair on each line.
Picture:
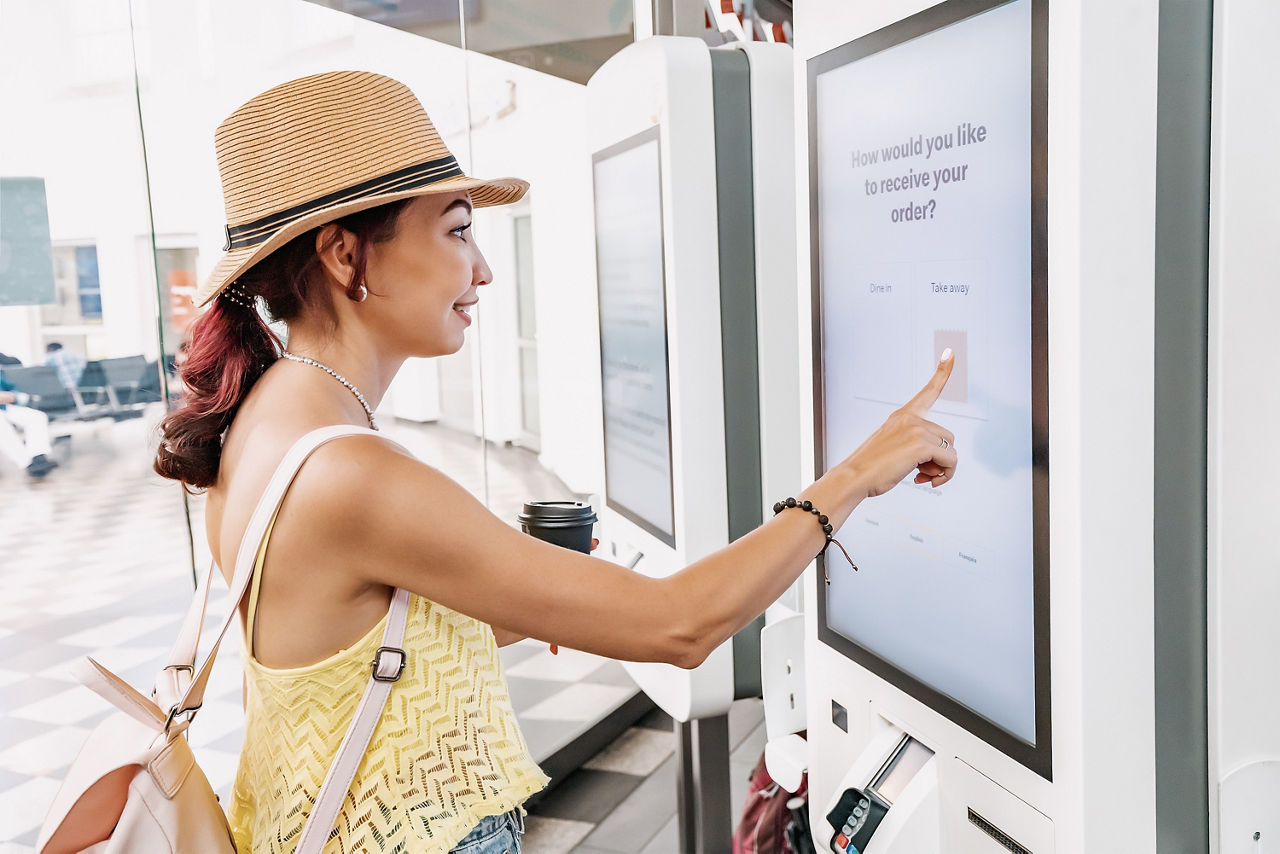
x,y
93,385
149,388
48,394
125,377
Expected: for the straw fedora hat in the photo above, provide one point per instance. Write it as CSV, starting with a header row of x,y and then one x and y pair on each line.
x,y
318,148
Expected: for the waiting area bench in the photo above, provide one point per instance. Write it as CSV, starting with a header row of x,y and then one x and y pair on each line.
x,y
109,388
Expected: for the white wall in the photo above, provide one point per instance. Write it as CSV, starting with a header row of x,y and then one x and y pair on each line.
x,y
548,125
20,334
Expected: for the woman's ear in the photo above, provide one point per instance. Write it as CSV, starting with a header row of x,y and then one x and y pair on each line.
x,y
336,248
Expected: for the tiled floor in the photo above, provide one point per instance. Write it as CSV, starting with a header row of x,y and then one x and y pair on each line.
x,y
623,800
96,561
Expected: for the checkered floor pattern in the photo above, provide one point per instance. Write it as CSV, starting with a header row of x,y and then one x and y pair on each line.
x,y
95,559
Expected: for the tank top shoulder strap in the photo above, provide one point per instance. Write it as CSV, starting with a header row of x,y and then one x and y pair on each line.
x,y
315,438
255,585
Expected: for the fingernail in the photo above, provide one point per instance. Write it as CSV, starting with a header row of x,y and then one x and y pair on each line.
x,y
946,354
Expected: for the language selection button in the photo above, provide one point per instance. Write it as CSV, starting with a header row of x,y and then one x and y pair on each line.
x,y
967,556
915,538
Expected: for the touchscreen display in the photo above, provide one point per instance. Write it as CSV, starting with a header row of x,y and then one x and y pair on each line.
x,y
633,334
924,242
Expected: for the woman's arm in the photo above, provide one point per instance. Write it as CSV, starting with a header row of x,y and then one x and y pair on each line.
x,y
506,638
405,524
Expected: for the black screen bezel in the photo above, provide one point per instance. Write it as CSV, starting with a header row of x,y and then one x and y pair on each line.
x,y
1039,756
647,135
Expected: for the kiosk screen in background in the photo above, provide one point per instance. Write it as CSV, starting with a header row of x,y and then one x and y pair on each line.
x,y
633,334
924,218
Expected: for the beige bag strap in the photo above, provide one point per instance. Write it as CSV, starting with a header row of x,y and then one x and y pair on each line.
x,y
387,668
174,680
182,681
270,501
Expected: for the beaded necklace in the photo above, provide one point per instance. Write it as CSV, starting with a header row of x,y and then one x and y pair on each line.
x,y
340,378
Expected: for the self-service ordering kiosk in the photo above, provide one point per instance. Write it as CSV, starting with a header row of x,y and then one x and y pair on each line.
x,y
694,211
928,202
1020,663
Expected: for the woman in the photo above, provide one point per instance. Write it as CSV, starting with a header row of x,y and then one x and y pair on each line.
x,y
349,223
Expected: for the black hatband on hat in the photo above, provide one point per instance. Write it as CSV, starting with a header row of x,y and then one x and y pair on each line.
x,y
409,178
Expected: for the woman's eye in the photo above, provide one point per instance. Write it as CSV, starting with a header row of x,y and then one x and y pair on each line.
x,y
460,229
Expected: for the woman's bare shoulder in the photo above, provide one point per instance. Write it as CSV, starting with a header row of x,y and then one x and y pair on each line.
x,y
358,467
254,448
325,513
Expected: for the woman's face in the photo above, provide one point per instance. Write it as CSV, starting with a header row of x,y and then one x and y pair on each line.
x,y
424,282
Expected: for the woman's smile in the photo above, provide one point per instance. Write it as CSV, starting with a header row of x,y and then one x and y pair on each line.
x,y
463,310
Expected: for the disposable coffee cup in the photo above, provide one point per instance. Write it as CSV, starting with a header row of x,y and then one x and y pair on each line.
x,y
561,523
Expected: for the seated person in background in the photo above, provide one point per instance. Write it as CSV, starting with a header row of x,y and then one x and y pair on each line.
x,y
70,366
31,450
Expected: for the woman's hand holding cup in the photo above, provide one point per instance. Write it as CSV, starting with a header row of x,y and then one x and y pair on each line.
x,y
908,441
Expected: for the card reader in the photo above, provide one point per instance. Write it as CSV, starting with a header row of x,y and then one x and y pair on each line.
x,y
856,816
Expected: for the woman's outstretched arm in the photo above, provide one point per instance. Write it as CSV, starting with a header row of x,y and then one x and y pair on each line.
x,y
405,524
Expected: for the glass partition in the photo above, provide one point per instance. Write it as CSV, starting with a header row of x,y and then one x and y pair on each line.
x,y
538,331
97,555
199,61
84,354
476,415
523,102
110,217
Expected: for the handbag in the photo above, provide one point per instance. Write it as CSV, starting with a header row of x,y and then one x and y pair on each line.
x,y
772,818
135,787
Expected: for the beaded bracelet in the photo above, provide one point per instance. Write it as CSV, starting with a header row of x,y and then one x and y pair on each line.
x,y
827,530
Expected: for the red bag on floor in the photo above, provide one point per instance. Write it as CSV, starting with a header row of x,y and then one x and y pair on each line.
x,y
765,817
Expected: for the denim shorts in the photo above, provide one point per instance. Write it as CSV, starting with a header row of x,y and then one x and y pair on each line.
x,y
495,834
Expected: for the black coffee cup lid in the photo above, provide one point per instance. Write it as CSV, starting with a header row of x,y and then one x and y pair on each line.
x,y
557,514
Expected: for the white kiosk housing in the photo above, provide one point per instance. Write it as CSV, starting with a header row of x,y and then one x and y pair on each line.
x,y
1243,570
1020,664
695,212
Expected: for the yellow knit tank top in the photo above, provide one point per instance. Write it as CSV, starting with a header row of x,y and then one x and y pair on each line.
x,y
446,753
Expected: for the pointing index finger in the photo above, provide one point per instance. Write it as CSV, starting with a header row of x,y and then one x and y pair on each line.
x,y
928,396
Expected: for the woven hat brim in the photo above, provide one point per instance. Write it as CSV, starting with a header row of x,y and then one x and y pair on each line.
x,y
233,264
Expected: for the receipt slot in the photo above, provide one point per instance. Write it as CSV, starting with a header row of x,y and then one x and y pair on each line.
x,y
693,172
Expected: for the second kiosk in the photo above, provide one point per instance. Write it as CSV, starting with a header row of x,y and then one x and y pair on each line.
x,y
694,204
